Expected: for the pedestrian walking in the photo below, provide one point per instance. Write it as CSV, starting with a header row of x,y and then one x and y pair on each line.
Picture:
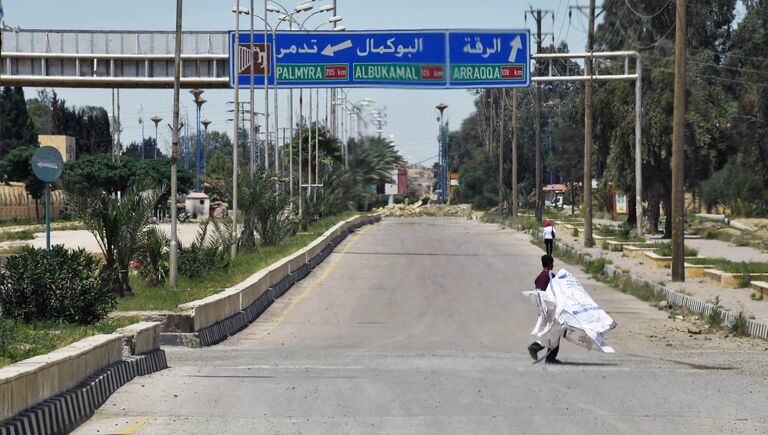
x,y
549,236
550,339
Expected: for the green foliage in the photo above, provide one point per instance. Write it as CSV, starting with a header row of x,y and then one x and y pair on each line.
x,y
738,188
152,259
240,268
732,266
715,317
596,267
117,225
112,176
60,284
206,253
19,340
89,125
739,325
16,127
665,250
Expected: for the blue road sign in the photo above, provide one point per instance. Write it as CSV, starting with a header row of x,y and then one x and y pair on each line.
x,y
480,59
402,58
47,164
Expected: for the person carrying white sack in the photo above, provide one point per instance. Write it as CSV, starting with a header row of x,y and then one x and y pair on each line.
x,y
566,310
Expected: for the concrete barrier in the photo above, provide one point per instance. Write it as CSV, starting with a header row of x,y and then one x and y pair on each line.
x,y
732,280
222,314
141,337
35,379
760,287
696,270
633,251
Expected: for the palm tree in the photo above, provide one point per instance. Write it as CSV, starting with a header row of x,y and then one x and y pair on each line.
x,y
118,226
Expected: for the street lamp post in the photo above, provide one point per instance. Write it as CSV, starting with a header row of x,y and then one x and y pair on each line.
x,y
156,119
197,93
233,249
174,244
141,123
205,123
442,175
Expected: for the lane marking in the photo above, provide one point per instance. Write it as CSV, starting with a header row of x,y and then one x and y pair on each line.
x,y
314,284
135,426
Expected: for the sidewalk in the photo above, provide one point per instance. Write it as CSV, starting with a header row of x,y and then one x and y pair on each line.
x,y
734,300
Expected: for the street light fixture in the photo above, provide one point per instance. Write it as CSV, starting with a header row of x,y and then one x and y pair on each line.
x,y
156,119
205,123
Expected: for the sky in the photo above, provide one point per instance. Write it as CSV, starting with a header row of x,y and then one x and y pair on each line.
x,y
411,114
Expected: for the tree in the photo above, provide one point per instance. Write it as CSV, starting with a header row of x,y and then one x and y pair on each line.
x,y
117,225
89,126
97,171
17,166
133,150
40,112
16,127
104,172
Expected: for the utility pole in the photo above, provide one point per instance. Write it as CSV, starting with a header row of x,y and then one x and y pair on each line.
x,y
119,124
514,152
501,144
587,183
678,150
539,15
114,128
235,139
174,245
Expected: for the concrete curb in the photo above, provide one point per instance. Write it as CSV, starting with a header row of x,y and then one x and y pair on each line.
x,y
64,412
233,324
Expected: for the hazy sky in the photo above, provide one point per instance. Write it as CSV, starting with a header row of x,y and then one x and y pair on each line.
x,y
411,113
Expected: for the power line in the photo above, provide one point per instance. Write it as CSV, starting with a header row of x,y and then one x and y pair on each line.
x,y
644,16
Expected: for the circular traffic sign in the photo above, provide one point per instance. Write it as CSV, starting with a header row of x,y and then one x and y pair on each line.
x,y
47,164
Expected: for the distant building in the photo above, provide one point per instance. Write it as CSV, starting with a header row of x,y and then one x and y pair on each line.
x,y
65,144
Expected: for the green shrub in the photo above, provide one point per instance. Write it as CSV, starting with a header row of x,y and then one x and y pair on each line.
x,y
60,284
665,250
715,317
739,325
203,255
152,259
596,267
575,232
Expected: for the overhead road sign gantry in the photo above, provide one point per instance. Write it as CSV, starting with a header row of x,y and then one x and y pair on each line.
x,y
394,59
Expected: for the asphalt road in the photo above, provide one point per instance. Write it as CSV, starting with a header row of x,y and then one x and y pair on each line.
x,y
418,326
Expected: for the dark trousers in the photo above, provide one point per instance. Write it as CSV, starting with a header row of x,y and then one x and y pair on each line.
x,y
549,244
552,354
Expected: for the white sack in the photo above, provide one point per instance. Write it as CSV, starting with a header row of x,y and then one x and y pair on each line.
x,y
566,307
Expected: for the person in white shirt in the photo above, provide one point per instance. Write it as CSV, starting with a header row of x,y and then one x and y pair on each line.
x,y
549,236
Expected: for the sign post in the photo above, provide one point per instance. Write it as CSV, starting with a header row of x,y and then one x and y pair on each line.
x,y
47,165
427,59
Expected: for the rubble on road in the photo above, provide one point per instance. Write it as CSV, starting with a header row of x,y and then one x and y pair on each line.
x,y
419,209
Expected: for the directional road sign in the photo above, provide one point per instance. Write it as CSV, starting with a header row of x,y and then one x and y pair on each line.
x,y
47,164
402,58
480,59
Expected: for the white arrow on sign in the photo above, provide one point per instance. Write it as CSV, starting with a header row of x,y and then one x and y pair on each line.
x,y
329,50
516,44
47,165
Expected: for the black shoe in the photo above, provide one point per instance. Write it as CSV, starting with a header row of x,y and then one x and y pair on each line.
x,y
553,361
534,350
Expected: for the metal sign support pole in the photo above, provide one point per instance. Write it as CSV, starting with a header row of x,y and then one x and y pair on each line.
x,y
48,216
